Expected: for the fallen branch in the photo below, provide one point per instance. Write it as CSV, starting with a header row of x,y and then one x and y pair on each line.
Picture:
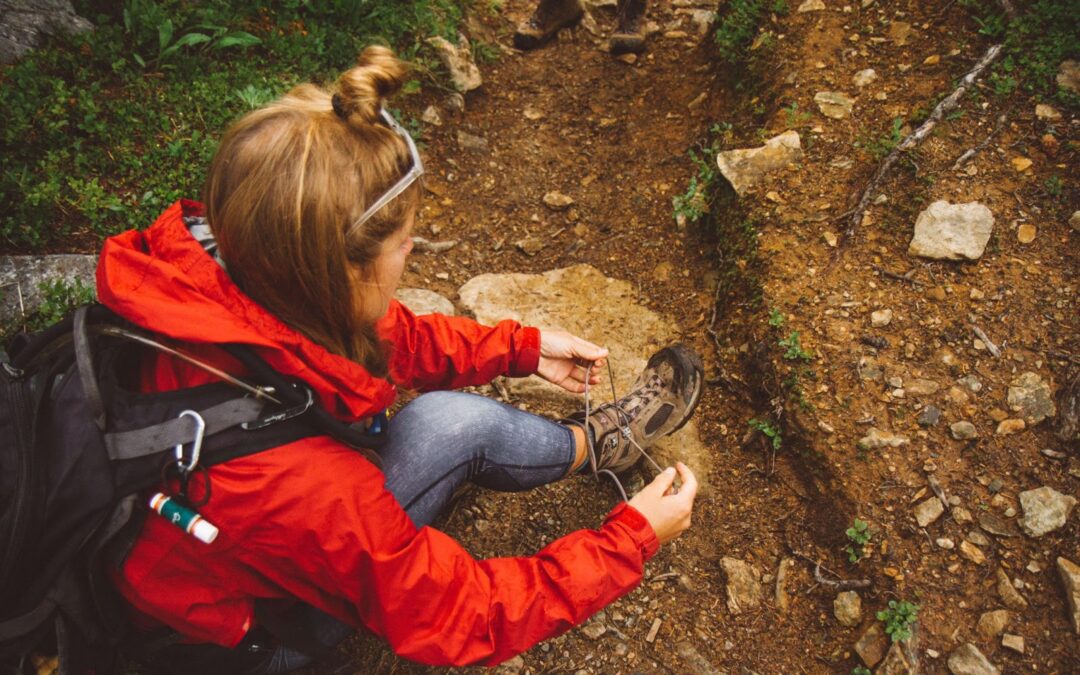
x,y
906,276
966,157
838,583
915,138
990,346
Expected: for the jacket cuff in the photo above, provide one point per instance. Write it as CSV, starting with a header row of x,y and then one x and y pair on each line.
x,y
526,356
637,526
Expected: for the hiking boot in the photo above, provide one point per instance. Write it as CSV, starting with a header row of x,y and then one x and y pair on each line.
x,y
546,20
629,35
661,401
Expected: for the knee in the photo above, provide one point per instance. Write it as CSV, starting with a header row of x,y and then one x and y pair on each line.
x,y
451,412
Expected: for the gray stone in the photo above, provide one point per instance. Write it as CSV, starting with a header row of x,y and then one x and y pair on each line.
x,y
21,278
458,59
968,660
1068,76
24,24
978,538
745,168
1045,510
991,624
847,608
743,589
997,526
1008,593
1030,396
899,661
594,629
471,142
929,416
630,331
876,438
423,301
947,231
834,104
455,103
511,667
872,646
1070,581
971,382
963,430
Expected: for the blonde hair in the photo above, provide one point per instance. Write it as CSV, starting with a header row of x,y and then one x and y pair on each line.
x,y
286,184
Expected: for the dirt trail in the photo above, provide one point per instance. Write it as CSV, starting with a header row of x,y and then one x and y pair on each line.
x,y
614,137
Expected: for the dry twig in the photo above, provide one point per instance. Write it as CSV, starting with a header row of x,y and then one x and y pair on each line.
x,y
990,346
916,137
966,157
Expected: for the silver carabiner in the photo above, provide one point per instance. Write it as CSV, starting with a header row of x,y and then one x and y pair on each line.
x,y
196,446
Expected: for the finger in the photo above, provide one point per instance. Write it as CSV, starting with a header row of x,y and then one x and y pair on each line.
x,y
587,350
689,482
662,483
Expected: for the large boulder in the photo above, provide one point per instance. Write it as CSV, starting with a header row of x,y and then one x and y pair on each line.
x,y
25,23
947,231
583,301
423,301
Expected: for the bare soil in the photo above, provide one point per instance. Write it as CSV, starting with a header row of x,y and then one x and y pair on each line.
x,y
614,136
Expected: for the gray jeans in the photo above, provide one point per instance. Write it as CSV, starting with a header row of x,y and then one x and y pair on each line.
x,y
437,443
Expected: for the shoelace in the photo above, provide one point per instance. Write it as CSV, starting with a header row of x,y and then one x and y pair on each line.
x,y
624,429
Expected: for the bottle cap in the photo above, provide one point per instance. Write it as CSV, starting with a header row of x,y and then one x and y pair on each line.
x,y
204,531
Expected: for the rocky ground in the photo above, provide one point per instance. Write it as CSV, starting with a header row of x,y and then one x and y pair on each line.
x,y
892,403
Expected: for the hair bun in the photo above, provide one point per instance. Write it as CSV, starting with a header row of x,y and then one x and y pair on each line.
x,y
378,74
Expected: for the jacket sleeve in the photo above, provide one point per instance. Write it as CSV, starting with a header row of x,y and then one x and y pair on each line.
x,y
358,556
434,351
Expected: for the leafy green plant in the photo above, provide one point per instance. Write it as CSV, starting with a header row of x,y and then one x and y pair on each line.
x,y
1054,185
776,318
736,29
771,431
142,15
879,147
899,618
58,297
860,670
780,7
793,349
254,96
794,117
694,203
485,53
859,535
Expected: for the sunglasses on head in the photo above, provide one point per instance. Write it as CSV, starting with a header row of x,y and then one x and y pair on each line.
x,y
414,172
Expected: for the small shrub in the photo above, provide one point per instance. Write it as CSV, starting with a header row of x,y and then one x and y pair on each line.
x,y
736,29
899,618
776,318
859,535
771,431
793,348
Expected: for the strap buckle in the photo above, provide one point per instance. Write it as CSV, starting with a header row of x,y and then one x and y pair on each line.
x,y
196,446
287,414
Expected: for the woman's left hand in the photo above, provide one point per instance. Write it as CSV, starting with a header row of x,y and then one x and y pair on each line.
x,y
565,358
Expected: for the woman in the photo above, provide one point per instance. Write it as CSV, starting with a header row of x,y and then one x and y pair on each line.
x,y
309,206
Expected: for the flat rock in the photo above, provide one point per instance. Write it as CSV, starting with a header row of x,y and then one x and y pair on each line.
x,y
1008,593
1047,112
25,24
557,201
898,661
1030,396
471,142
1070,580
1010,426
1068,76
963,430
946,231
458,60
872,646
432,116
1013,642
694,661
921,387
993,623
423,301
748,167
876,438
899,32
997,526
968,660
1074,221
972,552
743,589
929,511
929,416
1045,510
847,608
630,331
811,6
834,104
881,318
21,278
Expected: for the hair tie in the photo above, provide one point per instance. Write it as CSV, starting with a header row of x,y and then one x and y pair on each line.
x,y
339,106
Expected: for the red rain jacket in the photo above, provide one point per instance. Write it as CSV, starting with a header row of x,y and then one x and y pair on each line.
x,y
312,519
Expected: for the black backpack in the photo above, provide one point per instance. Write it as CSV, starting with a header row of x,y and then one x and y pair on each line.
x,y
79,445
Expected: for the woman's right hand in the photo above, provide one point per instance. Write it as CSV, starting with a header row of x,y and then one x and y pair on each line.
x,y
669,514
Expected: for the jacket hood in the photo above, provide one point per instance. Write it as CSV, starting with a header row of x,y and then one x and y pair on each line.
x,y
163,280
